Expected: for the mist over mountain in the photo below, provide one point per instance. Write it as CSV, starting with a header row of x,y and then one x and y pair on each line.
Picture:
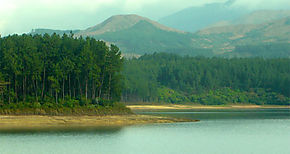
x,y
254,18
137,35
195,18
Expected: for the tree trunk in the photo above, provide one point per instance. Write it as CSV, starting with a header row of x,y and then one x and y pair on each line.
x,y
23,88
109,92
93,90
56,96
102,81
15,88
74,88
9,99
43,83
36,90
81,92
34,82
86,89
63,82
100,88
69,86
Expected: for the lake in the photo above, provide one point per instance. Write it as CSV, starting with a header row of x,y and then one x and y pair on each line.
x,y
258,131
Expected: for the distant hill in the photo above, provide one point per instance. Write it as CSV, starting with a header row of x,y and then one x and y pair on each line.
x,y
254,18
139,35
277,31
195,18
136,35
121,22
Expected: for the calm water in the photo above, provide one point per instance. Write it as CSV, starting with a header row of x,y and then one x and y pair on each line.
x,y
231,131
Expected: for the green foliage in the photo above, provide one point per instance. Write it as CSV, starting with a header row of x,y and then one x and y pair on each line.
x,y
228,96
269,50
68,108
171,96
2,88
71,72
174,79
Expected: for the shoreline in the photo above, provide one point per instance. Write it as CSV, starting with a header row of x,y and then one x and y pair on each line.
x,y
43,123
188,107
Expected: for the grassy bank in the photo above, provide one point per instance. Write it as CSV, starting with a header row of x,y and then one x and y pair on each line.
x,y
15,123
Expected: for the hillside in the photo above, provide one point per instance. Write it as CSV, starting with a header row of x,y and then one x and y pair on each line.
x,y
277,31
195,18
265,50
144,37
136,35
169,78
120,22
139,35
255,18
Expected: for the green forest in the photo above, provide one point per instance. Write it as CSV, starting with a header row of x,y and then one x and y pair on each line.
x,y
168,78
265,50
56,74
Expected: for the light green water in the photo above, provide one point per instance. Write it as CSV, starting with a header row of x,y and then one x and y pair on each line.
x,y
224,132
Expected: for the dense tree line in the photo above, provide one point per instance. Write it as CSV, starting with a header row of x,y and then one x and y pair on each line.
x,y
54,71
169,78
2,86
266,50
54,68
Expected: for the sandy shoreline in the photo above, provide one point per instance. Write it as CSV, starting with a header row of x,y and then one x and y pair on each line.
x,y
185,107
35,122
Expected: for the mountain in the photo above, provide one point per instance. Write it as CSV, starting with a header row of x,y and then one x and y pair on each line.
x,y
136,35
196,18
254,18
139,35
230,37
121,22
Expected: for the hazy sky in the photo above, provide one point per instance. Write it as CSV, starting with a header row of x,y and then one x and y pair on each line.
x,y
18,16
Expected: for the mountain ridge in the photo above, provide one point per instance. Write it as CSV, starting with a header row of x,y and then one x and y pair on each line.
x,y
139,35
120,22
193,19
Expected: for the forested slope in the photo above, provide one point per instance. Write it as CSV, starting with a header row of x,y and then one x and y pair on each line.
x,y
174,79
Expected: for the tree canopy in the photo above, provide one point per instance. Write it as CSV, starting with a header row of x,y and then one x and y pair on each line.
x,y
50,68
169,78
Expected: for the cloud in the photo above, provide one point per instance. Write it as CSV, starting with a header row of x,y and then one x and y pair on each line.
x,y
263,4
6,11
18,16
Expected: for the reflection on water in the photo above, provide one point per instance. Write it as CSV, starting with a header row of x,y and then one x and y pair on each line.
x,y
222,132
224,114
68,130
